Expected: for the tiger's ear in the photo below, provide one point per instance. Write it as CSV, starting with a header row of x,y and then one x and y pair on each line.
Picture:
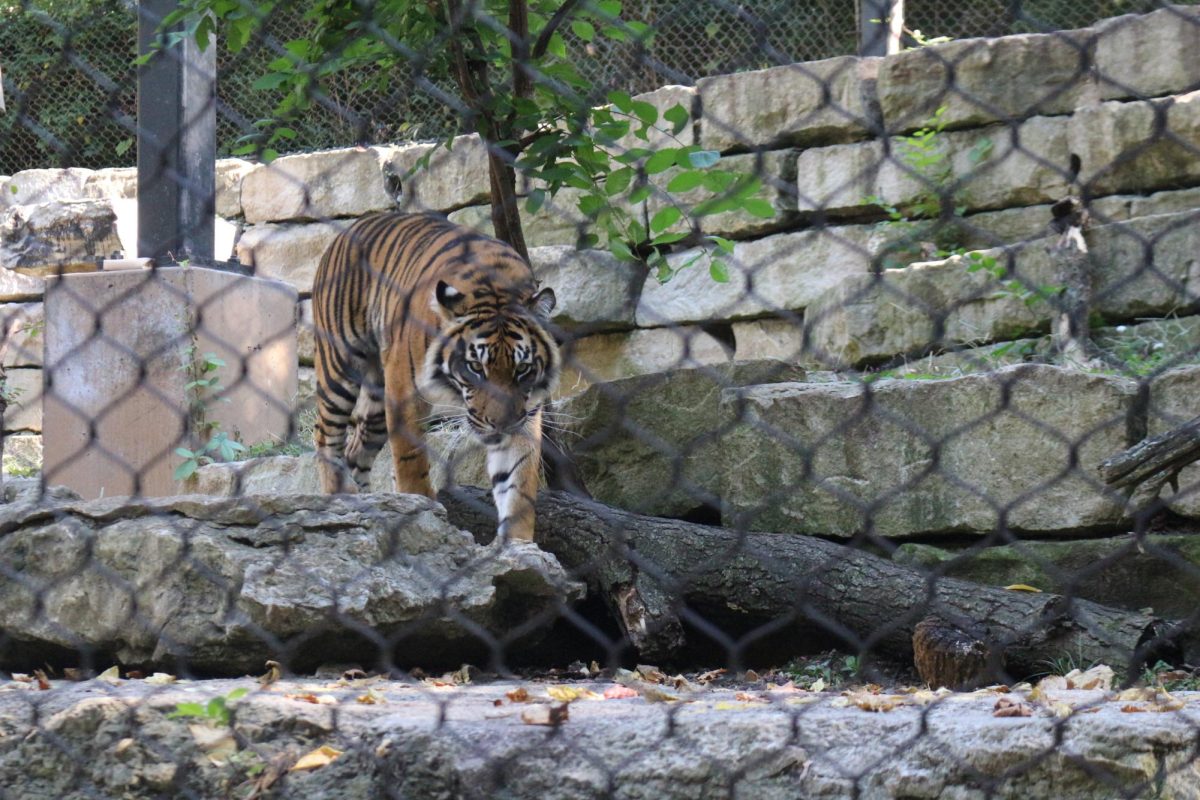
x,y
448,301
543,303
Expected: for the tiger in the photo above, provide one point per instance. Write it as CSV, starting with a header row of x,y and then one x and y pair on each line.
x,y
413,313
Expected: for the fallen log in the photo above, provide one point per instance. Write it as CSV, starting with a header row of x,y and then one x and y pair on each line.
x,y
668,580
1142,470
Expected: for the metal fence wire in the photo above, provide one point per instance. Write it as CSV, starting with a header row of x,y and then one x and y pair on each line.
x,y
823,425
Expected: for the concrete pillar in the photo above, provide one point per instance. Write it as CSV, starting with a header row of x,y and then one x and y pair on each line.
x,y
121,348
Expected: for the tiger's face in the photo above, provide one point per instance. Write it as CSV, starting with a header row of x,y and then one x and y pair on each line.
x,y
497,362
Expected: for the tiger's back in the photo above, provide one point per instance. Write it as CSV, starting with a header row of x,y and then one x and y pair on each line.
x,y
411,311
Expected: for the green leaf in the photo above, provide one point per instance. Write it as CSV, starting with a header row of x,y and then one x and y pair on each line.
x,y
661,161
670,238
725,245
640,194
718,271
186,469
588,241
610,8
678,116
187,710
645,112
622,101
237,693
584,30
665,219
686,181
703,159
183,452
272,80
618,181
621,250
759,208
535,201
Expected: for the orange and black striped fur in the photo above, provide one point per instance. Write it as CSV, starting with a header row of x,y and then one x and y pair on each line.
x,y
412,312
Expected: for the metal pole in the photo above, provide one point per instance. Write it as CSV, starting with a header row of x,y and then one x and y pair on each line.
x,y
880,25
176,139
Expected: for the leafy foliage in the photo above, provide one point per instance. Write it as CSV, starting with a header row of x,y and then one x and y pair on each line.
x,y
215,711
520,89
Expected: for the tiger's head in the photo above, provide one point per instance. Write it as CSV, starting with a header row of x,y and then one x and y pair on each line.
x,y
493,357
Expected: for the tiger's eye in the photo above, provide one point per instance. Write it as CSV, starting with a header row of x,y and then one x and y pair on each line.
x,y
476,367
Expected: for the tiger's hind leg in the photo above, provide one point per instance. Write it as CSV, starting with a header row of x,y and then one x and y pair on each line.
x,y
339,376
368,431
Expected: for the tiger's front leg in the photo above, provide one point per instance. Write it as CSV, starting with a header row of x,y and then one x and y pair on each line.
x,y
515,470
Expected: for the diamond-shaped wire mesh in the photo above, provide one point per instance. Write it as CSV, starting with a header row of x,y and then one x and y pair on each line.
x,y
849,453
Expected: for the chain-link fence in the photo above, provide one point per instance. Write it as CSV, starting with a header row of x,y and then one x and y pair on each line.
x,y
821,429
70,71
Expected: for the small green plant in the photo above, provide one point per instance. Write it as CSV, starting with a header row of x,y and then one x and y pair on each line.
x,y
204,383
1171,679
835,669
23,472
215,711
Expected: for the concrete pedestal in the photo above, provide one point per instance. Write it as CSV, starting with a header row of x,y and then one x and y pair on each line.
x,y
121,348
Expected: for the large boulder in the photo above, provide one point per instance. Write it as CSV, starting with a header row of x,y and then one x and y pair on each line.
x,y
311,186
58,236
220,585
1014,449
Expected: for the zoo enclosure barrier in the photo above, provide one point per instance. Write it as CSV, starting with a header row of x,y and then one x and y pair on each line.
x,y
880,373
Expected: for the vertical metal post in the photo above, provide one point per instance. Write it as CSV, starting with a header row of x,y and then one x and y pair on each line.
x,y
880,26
176,141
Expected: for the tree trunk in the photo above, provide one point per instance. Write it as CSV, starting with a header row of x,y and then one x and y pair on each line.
x,y
668,581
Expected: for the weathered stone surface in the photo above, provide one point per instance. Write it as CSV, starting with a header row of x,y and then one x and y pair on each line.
x,y
903,457
980,81
649,444
1122,147
813,103
784,272
306,343
313,186
222,584
1139,56
95,739
24,412
276,475
25,323
1172,403
939,304
593,288
782,339
776,169
1030,169
453,177
37,186
612,356
231,172
558,222
118,183
1159,571
288,252
16,287
870,318
59,236
22,455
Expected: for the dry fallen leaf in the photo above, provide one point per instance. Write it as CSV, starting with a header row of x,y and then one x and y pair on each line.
x,y
817,686
618,692
710,676
216,743
1098,677
307,697
869,701
110,675
274,673
546,715
43,682
652,674
1022,587
656,695
747,697
751,676
354,674
74,674
568,694
518,695
1130,708
161,679
1007,707
370,698
322,756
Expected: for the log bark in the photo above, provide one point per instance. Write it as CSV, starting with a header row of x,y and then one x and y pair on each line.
x,y
1151,463
668,581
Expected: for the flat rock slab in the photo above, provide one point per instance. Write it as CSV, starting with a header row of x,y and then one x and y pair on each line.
x,y
420,740
222,584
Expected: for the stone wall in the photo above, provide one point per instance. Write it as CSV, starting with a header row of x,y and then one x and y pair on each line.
x,y
1111,111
